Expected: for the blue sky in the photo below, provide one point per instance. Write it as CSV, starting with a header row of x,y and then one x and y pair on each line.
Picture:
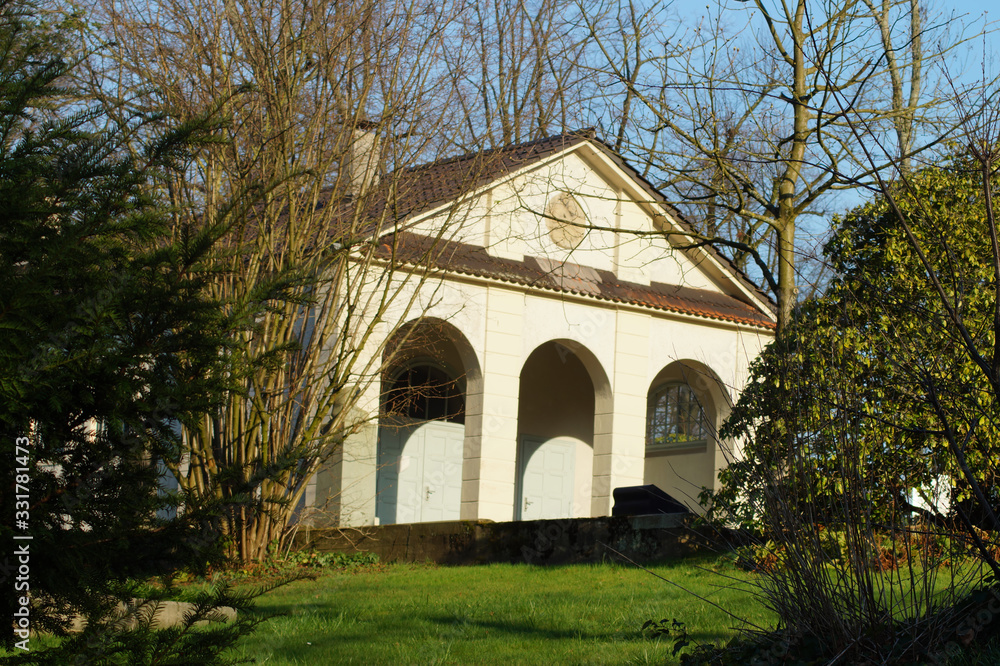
x,y
965,63
973,14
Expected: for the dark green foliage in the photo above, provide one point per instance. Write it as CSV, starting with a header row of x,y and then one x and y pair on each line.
x,y
673,630
870,376
109,340
756,651
312,558
882,385
129,636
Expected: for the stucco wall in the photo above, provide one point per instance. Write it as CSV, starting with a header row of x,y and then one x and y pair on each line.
x,y
613,353
509,219
625,348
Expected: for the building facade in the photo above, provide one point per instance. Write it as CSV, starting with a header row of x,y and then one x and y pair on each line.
x,y
567,341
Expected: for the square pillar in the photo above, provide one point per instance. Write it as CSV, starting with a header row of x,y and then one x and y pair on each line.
x,y
620,436
489,470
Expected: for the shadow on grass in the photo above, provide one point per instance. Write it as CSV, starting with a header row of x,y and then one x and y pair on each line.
x,y
527,630
441,625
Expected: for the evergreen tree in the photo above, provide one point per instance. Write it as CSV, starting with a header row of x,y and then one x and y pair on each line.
x,y
109,341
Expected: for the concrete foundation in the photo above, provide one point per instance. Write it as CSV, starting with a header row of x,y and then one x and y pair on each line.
x,y
571,540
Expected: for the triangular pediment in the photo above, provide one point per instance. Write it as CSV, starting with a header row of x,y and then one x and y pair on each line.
x,y
573,203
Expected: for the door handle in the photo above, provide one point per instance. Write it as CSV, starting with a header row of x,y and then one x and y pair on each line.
x,y
428,493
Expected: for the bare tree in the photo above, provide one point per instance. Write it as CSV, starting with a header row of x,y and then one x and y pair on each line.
x,y
904,65
516,70
324,105
741,127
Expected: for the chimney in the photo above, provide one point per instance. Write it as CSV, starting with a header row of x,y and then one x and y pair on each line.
x,y
361,162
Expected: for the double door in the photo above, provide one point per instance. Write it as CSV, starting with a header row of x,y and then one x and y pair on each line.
x,y
419,472
546,478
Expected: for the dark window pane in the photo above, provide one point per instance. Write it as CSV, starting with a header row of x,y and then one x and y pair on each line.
x,y
674,417
425,393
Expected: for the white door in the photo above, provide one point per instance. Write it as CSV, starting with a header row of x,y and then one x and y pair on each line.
x,y
442,471
548,472
420,472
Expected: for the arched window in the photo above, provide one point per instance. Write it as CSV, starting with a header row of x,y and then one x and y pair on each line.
x,y
425,392
675,419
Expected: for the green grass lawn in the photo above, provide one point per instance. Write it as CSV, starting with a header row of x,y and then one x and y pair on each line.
x,y
520,614
425,614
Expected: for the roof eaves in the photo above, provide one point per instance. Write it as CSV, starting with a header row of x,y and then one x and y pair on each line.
x,y
532,272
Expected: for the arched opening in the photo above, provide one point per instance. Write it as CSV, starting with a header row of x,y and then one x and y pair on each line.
x,y
682,420
555,456
425,391
429,373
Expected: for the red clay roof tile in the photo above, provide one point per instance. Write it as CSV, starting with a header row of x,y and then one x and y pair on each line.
x,y
462,258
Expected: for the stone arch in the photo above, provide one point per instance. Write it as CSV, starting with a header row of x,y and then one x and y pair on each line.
x,y
435,338
422,451
564,427
688,458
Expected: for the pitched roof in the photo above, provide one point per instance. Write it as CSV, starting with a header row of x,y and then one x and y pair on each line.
x,y
428,186
425,187
411,191
462,258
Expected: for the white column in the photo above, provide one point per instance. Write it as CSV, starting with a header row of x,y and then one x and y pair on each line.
x,y
358,464
489,473
622,463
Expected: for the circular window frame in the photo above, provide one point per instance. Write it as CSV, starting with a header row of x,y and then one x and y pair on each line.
x,y
565,226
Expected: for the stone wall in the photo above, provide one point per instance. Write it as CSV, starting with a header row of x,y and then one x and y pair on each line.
x,y
575,540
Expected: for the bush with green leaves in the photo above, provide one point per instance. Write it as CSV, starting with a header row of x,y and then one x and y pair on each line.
x,y
858,385
884,384
317,559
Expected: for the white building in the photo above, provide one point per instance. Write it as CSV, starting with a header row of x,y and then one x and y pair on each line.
x,y
558,354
